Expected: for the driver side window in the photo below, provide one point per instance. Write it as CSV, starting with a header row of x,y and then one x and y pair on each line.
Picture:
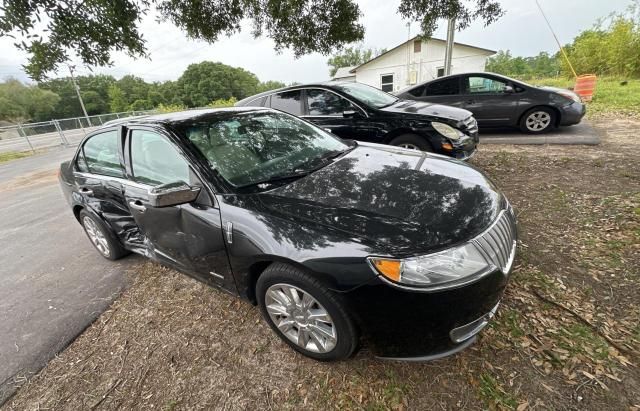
x,y
484,85
154,160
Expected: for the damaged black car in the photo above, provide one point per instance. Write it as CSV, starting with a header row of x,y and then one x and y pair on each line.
x,y
338,242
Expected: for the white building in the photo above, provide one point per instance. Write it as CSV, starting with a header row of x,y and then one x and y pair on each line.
x,y
415,61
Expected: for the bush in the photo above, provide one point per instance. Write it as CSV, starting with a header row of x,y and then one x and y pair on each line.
x,y
223,102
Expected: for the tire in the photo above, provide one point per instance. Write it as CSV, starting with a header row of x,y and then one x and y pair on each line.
x,y
101,237
538,120
412,141
282,280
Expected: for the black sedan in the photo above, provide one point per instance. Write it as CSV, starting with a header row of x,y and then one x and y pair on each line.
x,y
334,240
360,112
499,101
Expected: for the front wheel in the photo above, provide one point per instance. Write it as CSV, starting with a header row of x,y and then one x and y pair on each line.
x,y
412,142
305,314
538,120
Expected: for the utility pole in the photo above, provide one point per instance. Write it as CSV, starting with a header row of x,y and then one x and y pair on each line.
x,y
451,29
75,85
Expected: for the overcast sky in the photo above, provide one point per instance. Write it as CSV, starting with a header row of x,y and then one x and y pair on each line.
x,y
521,30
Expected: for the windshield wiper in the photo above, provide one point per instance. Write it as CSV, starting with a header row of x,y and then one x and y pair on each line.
x,y
277,177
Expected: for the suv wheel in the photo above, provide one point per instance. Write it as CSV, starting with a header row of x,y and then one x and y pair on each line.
x,y
304,314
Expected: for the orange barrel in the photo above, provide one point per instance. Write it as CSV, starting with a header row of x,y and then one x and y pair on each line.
x,y
585,86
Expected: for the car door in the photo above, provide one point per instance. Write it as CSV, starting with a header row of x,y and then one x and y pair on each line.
x,y
335,113
489,99
186,236
99,174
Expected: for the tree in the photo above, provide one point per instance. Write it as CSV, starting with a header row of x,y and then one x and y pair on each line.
x,y
351,56
208,81
269,85
427,12
20,103
94,30
117,100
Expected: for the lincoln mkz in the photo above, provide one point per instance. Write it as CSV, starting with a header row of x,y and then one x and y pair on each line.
x,y
338,242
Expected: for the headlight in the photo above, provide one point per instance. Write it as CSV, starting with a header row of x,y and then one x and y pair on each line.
x,y
446,130
446,268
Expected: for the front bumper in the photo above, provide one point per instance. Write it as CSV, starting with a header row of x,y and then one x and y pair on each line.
x,y
402,323
464,149
572,114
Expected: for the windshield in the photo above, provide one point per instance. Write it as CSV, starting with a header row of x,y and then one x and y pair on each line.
x,y
253,147
367,94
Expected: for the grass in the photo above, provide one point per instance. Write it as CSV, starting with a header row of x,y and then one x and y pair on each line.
x,y
610,95
493,394
13,155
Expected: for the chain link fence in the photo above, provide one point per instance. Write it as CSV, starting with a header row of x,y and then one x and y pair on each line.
x,y
62,132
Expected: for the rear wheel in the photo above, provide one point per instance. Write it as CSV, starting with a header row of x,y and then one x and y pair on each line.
x,y
305,314
101,237
412,142
538,120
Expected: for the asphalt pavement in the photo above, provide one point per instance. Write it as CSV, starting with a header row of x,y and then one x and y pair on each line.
x,y
579,134
53,283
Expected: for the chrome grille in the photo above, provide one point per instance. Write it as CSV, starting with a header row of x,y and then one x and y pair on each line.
x,y
471,125
498,243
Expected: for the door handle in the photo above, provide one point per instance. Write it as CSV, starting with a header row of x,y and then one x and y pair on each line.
x,y
85,190
137,205
470,101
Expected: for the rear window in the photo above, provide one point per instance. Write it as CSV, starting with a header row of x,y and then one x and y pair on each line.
x,y
289,102
444,87
417,91
101,154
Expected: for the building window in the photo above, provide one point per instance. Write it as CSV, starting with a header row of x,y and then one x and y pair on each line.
x,y
417,46
440,72
386,82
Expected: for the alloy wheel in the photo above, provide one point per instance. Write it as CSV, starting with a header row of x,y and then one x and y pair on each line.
x,y
538,121
301,318
96,236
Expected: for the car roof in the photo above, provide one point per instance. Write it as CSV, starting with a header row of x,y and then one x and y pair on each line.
x,y
327,84
179,116
472,73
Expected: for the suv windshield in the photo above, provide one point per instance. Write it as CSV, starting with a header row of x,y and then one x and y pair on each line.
x,y
367,94
260,146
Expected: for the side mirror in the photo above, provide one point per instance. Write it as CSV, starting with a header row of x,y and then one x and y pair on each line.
x,y
171,194
508,90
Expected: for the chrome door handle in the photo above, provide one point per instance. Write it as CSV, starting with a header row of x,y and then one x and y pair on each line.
x,y
137,205
85,190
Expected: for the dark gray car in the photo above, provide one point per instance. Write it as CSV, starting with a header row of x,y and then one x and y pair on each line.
x,y
499,101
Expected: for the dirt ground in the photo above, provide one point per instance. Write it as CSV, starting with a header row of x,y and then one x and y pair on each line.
x,y
567,335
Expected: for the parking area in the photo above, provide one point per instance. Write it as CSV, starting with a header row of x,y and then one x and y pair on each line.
x,y
53,283
580,134
566,335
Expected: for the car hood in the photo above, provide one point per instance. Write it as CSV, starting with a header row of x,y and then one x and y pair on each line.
x,y
421,108
396,201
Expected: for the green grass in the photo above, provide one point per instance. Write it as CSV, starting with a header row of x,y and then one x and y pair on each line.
x,y
13,155
493,395
610,97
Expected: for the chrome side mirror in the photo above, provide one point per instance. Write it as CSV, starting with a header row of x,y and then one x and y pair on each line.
x,y
171,194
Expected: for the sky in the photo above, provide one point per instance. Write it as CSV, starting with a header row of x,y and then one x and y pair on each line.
x,y
521,30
